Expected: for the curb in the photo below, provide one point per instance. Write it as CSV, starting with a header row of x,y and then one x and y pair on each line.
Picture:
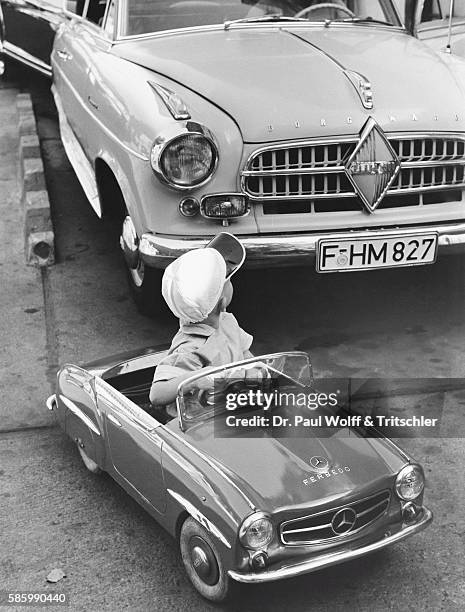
x,y
38,230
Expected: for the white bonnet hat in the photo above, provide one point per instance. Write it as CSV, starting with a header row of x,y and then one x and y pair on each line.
x,y
193,284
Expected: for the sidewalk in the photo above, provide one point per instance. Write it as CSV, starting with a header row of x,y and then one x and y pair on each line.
x,y
23,347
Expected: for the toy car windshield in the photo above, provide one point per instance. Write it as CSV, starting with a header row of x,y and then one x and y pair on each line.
x,y
203,396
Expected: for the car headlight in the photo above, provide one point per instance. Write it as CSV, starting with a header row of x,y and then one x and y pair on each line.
x,y
410,482
185,161
256,531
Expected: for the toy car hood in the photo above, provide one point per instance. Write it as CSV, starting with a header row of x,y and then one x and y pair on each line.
x,y
279,472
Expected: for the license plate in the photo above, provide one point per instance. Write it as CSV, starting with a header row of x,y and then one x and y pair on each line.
x,y
340,255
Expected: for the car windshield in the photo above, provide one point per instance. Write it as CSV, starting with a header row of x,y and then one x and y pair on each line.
x,y
149,16
237,386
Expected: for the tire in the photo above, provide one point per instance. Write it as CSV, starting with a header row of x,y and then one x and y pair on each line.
x,y
202,562
88,462
145,287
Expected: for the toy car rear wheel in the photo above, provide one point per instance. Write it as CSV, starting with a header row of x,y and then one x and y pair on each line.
x,y
88,462
202,562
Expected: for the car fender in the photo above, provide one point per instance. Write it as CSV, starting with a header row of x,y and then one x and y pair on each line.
x,y
199,487
122,130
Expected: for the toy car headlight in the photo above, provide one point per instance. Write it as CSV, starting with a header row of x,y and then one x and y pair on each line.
x,y
186,160
410,482
256,531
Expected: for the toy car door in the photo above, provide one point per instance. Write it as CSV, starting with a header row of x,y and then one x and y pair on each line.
x,y
134,446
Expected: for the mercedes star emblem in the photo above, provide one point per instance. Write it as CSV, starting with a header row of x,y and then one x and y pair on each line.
x,y
343,521
319,463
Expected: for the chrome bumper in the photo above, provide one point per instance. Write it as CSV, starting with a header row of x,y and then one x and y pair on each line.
x,y
288,249
51,402
325,560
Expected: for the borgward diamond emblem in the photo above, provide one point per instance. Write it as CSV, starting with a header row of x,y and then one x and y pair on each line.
x,y
373,165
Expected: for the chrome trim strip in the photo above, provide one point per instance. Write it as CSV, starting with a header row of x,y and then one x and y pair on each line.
x,y
419,189
280,25
26,58
308,197
331,558
304,530
285,171
113,419
51,402
199,517
96,119
158,250
125,408
434,163
80,414
340,169
77,157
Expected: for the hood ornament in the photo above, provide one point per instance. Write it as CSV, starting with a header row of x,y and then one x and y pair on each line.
x,y
319,463
373,165
363,87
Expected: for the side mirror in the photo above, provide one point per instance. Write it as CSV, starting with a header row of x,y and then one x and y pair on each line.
x,y
231,249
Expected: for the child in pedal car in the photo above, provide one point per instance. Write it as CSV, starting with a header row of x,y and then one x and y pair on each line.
x,y
196,288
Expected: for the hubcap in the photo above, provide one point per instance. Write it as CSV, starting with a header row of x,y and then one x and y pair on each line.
x,y
204,561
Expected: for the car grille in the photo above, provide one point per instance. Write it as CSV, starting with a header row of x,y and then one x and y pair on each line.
x,y
310,177
317,528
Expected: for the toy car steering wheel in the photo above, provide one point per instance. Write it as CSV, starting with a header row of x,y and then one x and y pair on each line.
x,y
208,397
323,5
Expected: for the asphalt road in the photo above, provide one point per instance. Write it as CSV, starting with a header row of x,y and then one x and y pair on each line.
x,y
392,323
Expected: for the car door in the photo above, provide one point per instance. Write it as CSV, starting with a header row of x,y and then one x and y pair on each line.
x,y
72,61
29,30
133,444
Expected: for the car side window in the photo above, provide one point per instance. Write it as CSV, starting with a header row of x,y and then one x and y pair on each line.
x,y
431,11
92,10
109,25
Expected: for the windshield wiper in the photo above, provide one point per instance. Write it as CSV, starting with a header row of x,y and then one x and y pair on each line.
x,y
328,22
263,19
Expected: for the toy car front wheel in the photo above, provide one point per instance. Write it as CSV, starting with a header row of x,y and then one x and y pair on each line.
x,y
202,562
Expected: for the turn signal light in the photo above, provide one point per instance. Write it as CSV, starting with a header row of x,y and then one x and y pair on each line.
x,y
224,206
189,207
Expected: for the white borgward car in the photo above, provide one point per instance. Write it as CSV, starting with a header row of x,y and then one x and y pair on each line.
x,y
322,134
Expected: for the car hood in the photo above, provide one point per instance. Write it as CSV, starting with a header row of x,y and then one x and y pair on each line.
x,y
277,473
289,82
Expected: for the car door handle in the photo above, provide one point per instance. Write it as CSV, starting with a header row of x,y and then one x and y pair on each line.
x,y
64,55
113,420
92,102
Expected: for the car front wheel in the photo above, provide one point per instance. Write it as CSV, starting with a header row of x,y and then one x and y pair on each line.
x,y
202,562
144,281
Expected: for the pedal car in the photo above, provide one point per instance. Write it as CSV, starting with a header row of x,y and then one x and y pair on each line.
x,y
248,501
